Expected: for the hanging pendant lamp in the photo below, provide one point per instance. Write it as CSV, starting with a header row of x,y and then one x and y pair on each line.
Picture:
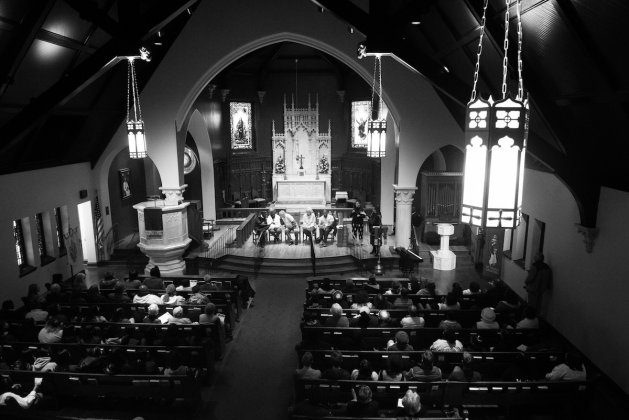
x,y
495,136
377,122
135,124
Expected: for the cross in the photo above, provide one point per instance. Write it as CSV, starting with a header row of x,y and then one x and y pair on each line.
x,y
300,158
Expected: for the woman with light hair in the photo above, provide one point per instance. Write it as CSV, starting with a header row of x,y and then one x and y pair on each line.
x,y
152,314
337,319
411,406
171,297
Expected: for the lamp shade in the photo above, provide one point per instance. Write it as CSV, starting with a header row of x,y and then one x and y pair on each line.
x,y
494,162
137,140
376,138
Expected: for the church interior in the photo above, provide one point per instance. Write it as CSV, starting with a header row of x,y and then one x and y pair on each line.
x,y
197,137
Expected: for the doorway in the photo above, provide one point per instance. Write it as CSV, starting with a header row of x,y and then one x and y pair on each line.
x,y
86,223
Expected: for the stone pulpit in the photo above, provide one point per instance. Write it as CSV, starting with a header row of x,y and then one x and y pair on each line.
x,y
301,159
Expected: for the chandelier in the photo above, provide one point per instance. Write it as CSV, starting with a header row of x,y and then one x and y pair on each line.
x,y
135,125
495,138
377,123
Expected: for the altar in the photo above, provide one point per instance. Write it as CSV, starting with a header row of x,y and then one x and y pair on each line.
x,y
309,192
301,159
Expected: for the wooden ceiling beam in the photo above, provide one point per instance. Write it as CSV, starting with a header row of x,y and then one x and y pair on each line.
x,y
62,91
89,11
23,36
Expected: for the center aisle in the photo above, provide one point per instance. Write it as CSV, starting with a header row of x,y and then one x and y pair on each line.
x,y
255,379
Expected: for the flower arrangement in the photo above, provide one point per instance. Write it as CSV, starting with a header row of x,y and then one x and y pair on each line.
x,y
280,166
324,166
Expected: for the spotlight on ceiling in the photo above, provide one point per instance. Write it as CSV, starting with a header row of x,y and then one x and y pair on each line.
x,y
320,9
350,29
415,23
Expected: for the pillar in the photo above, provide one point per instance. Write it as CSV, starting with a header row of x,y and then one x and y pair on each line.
x,y
404,204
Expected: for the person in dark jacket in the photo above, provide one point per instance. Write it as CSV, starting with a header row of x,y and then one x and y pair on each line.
x,y
538,280
154,282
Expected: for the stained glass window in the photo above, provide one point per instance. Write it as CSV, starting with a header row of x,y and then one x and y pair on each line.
x,y
20,247
41,238
59,231
360,115
241,128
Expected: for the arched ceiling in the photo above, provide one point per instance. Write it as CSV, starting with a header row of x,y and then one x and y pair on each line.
x,y
62,97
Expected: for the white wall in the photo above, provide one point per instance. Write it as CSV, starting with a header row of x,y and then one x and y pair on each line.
x,y
26,194
588,302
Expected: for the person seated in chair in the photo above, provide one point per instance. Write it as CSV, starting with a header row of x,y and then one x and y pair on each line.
x,y
308,223
260,227
290,225
326,225
275,224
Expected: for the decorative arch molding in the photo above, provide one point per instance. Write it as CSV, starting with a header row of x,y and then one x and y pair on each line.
x,y
198,130
262,42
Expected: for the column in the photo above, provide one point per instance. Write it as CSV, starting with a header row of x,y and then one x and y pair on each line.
x,y
404,204
174,195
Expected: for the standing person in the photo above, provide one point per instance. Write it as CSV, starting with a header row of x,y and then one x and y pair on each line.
x,y
538,281
260,227
308,223
289,224
326,225
418,222
358,218
375,224
275,224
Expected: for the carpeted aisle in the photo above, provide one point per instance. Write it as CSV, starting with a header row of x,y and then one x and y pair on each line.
x,y
255,378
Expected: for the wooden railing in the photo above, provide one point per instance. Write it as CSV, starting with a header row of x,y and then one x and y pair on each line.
x,y
220,247
244,230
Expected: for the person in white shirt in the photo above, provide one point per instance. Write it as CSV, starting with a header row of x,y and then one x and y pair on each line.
x,y
289,224
275,224
308,223
144,296
326,225
448,343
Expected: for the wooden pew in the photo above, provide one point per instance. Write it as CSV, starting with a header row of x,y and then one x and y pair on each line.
x,y
466,301
542,395
466,317
225,282
26,331
194,356
140,391
420,338
107,309
489,364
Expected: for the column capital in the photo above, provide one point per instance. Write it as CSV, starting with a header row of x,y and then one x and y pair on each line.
x,y
174,195
404,195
